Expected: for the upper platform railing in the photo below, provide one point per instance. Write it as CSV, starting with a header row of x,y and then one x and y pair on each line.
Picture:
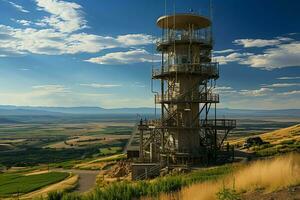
x,y
208,70
219,123
168,38
194,97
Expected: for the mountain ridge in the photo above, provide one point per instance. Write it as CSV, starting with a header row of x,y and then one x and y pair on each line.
x,y
43,110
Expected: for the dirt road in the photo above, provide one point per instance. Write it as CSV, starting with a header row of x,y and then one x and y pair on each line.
x,y
87,178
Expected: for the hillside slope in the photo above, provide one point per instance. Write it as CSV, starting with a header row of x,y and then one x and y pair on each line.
x,y
277,142
275,137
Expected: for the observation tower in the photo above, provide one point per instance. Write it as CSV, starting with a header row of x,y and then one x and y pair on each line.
x,y
188,131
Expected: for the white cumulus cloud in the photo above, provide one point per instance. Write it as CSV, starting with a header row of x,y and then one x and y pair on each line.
x,y
126,57
52,42
22,21
60,32
259,92
284,55
65,16
233,57
18,7
260,42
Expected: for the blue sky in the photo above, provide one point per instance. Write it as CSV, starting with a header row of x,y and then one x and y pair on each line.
x,y
100,53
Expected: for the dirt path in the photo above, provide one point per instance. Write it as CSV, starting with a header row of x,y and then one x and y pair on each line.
x,y
87,178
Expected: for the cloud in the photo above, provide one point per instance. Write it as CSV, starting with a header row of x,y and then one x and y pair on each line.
x,y
224,90
281,85
256,93
22,21
260,42
233,57
59,33
99,85
18,7
135,39
294,92
65,16
50,89
225,51
280,52
284,55
288,77
51,42
131,56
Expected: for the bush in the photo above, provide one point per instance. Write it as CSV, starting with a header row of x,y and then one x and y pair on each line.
x,y
228,194
55,195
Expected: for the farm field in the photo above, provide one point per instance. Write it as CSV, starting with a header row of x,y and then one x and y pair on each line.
x,y
16,184
64,142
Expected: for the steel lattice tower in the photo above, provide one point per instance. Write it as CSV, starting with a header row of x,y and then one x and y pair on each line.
x,y
187,132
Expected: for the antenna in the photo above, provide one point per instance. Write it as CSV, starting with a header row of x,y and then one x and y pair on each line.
x,y
211,20
165,7
210,10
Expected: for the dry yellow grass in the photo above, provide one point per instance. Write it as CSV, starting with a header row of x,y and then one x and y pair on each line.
x,y
36,172
277,136
270,175
100,163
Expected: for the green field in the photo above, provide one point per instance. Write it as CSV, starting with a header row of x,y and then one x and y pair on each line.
x,y
37,142
110,150
16,183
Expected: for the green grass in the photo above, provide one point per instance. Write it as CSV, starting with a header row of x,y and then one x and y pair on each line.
x,y
111,158
116,130
278,149
16,183
129,190
110,150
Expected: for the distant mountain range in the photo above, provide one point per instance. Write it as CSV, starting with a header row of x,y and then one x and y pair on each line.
x,y
53,111
32,110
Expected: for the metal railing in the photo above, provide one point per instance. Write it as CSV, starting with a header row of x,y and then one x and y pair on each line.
x,y
192,36
213,123
219,123
209,69
196,97
149,172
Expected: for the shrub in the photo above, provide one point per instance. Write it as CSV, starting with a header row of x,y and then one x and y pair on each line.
x,y
55,195
227,194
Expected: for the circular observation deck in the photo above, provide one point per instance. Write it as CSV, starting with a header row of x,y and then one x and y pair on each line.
x,y
164,43
183,22
202,70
